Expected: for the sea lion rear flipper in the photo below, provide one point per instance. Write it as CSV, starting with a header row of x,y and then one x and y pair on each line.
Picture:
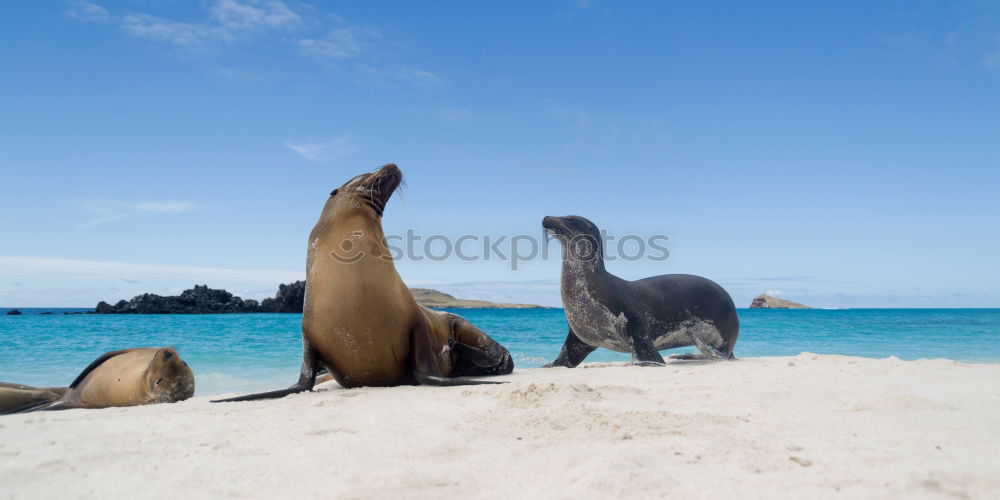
x,y
691,356
427,379
93,366
432,363
643,352
475,352
50,405
307,379
573,352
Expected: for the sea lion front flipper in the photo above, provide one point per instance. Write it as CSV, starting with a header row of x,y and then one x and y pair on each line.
x,y
307,379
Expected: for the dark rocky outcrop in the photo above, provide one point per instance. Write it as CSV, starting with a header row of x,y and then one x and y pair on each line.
x,y
765,301
13,312
198,300
204,300
289,299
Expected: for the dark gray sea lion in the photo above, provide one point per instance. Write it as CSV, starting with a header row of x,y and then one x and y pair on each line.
x,y
360,321
637,317
14,396
127,378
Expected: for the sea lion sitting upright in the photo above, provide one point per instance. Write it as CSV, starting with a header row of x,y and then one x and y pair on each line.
x,y
360,321
638,317
127,378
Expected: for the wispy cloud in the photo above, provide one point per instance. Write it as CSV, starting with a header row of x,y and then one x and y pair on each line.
x,y
396,76
992,59
320,150
185,35
236,17
228,21
579,121
239,74
453,114
88,12
54,282
107,210
340,43
348,49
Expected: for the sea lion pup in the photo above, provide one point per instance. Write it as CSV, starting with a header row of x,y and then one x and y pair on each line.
x,y
127,378
638,317
15,396
360,321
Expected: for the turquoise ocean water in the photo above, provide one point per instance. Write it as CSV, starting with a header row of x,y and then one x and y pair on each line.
x,y
250,352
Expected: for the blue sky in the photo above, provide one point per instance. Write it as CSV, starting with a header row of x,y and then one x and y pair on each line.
x,y
843,154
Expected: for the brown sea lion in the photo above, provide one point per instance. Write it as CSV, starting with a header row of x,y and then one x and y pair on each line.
x,y
14,396
127,378
360,321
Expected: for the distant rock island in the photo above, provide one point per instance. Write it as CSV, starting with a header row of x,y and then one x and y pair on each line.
x,y
204,300
765,301
433,298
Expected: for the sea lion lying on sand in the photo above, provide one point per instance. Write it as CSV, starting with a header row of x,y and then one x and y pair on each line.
x,y
360,321
126,378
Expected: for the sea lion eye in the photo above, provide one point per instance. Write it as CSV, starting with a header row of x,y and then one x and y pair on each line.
x,y
158,381
334,192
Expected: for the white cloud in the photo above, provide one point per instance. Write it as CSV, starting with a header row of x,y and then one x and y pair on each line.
x,y
186,35
239,74
397,76
229,21
340,43
107,210
88,12
992,60
53,282
20,266
323,150
235,16
579,120
235,21
453,114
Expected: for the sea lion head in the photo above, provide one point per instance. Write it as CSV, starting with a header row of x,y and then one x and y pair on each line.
x,y
367,193
581,239
168,378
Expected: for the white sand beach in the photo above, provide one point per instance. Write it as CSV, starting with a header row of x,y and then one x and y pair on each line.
x,y
809,426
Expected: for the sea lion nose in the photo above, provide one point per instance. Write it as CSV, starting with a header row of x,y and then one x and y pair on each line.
x,y
548,222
